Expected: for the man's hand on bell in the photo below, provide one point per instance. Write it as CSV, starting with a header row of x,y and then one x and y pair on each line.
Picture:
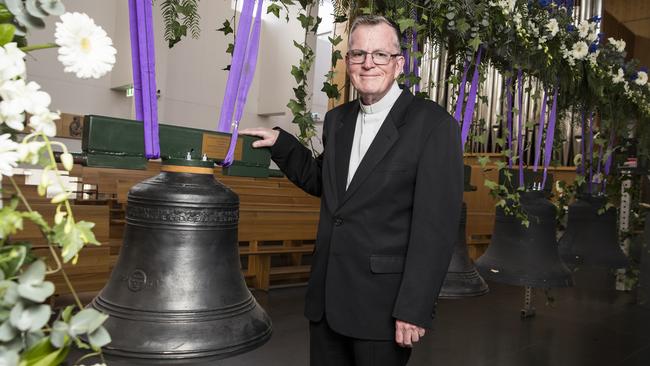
x,y
267,135
406,334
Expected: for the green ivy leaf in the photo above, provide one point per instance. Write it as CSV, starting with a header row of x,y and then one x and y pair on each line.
x,y
331,90
305,21
300,92
274,9
295,107
230,49
405,23
483,161
297,73
226,28
335,41
336,55
475,43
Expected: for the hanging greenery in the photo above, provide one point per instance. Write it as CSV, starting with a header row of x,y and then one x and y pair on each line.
x,y
180,16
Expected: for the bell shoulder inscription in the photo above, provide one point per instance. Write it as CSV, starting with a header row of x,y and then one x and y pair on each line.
x,y
210,216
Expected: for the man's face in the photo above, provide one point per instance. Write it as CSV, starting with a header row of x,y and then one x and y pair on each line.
x,y
374,81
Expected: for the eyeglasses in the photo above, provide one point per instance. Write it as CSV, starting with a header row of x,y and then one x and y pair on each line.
x,y
378,57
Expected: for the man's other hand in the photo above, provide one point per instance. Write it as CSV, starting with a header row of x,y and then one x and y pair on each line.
x,y
406,334
268,136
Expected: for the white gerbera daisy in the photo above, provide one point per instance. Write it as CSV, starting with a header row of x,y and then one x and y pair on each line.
x,y
641,78
579,50
618,44
85,49
8,155
553,27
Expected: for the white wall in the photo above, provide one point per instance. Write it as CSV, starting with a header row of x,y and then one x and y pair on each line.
x,y
189,75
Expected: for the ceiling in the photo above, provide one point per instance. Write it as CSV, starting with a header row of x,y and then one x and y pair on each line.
x,y
634,14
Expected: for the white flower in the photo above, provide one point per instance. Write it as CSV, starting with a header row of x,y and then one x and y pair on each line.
x,y
553,27
583,29
618,44
579,50
29,152
85,49
641,78
619,77
12,62
593,58
44,122
8,155
18,98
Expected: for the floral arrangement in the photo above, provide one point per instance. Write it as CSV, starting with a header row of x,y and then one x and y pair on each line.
x,y
26,338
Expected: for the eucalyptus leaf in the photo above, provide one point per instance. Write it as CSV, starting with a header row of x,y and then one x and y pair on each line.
x,y
99,338
31,318
9,291
32,338
33,9
34,274
86,321
7,331
59,334
17,8
36,292
8,357
52,7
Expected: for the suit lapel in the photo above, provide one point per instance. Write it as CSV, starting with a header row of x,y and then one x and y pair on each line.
x,y
344,136
386,137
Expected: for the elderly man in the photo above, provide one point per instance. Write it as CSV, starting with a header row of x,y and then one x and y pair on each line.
x,y
390,182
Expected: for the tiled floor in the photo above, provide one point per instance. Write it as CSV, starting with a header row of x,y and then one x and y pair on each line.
x,y
584,326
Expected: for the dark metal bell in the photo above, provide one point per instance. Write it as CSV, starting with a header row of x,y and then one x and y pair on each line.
x,y
523,256
462,280
177,293
590,238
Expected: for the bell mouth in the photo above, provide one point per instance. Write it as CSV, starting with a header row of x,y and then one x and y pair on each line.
x,y
196,166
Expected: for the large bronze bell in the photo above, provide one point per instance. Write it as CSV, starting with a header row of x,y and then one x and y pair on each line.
x,y
591,238
177,293
463,280
523,256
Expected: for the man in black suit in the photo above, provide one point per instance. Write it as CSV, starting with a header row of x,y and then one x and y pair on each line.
x,y
390,180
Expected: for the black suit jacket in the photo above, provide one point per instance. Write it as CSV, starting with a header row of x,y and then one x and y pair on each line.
x,y
383,245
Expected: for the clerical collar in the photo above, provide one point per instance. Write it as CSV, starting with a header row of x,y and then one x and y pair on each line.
x,y
386,102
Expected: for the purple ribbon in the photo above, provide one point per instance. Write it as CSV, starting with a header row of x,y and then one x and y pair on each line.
x,y
608,163
246,81
414,47
520,138
582,142
509,117
591,151
471,100
234,76
540,132
550,134
143,62
416,66
407,61
458,114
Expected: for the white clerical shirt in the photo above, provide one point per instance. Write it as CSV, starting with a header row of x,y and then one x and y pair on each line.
x,y
369,120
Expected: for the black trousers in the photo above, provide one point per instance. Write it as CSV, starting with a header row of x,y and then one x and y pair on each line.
x,y
328,348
